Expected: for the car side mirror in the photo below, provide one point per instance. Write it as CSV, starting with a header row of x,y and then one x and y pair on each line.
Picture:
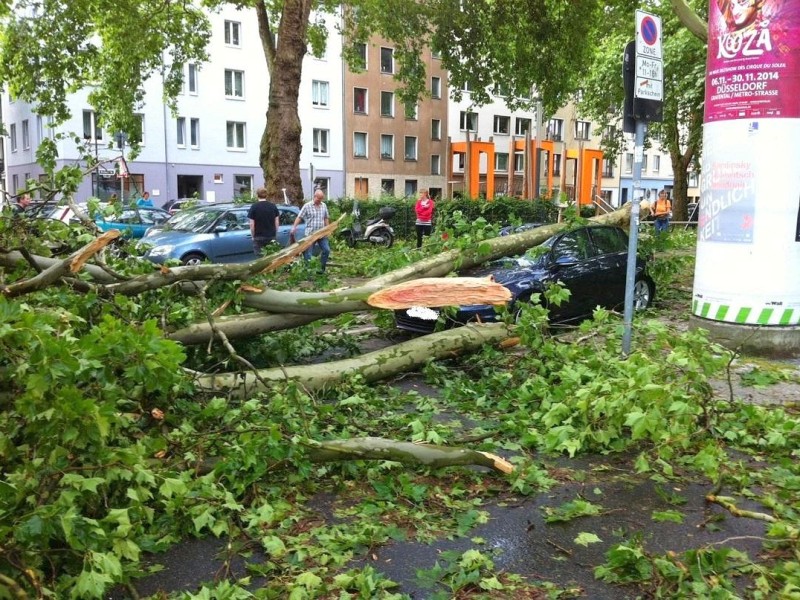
x,y
566,261
221,228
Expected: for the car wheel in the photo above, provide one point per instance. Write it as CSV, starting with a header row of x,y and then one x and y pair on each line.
x,y
643,292
192,259
349,239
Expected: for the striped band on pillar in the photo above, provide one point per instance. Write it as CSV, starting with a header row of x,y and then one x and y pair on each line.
x,y
745,315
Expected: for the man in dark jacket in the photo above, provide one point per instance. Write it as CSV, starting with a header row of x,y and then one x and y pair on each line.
x,y
264,220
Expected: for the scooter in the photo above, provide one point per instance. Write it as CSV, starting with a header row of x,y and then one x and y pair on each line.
x,y
377,231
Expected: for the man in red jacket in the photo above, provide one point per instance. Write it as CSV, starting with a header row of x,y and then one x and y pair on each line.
x,y
424,209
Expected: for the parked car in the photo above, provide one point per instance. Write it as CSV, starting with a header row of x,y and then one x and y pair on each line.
x,y
133,222
173,206
590,261
215,232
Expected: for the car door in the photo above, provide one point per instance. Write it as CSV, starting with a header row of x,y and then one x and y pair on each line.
x,y
286,220
570,264
610,264
232,239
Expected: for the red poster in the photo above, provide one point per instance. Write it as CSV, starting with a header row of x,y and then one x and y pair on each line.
x,y
753,70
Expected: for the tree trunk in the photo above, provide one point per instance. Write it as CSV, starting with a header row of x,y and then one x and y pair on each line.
x,y
374,366
281,142
372,448
690,19
291,309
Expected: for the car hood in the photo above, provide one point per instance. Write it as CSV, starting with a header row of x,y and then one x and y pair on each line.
x,y
167,236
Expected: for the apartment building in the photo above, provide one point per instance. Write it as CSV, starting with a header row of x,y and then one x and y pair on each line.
x,y
391,148
656,171
210,148
495,151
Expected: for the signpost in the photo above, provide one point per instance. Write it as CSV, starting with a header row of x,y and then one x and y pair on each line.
x,y
643,76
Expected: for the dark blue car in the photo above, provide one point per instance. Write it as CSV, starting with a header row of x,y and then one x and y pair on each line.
x,y
590,261
217,233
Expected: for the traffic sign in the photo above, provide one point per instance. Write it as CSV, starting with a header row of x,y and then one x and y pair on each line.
x,y
649,69
648,35
106,172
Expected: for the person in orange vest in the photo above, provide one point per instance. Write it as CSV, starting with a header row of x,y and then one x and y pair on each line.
x,y
661,210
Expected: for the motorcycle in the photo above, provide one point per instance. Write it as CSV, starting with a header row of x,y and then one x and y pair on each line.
x,y
376,231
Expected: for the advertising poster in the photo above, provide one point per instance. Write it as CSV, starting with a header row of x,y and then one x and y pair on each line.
x,y
752,69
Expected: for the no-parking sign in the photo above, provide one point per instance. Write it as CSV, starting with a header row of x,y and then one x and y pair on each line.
x,y
649,71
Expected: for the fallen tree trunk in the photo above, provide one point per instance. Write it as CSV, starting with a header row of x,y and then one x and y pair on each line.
x,y
372,448
374,366
300,308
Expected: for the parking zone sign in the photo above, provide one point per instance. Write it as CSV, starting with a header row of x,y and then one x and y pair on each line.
x,y
649,69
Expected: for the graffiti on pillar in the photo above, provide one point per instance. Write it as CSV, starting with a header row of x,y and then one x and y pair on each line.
x,y
751,71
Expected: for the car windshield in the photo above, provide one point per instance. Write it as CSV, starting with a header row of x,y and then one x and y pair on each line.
x,y
193,220
536,255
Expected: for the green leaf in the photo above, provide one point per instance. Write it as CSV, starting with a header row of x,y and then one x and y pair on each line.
x,y
584,539
668,515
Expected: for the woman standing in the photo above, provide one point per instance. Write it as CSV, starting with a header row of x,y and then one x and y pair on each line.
x,y
424,209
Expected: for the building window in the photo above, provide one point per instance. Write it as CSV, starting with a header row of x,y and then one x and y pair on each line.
x,y
519,162
361,56
14,183
194,133
242,186
556,165
436,87
387,147
233,31
644,163
192,78
502,124
234,84
411,111
555,130
608,168
360,101
501,161
522,126
693,179
411,188
411,147
387,187
319,93
12,134
91,129
468,121
467,87
436,129
39,129
656,163
629,162
181,131
26,135
582,130
387,60
387,104
235,135
610,133
360,144
321,141
436,164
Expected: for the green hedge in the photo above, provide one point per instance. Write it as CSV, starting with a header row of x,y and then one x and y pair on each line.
x,y
501,211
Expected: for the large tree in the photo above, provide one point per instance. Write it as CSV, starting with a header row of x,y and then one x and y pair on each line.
x,y
51,49
680,132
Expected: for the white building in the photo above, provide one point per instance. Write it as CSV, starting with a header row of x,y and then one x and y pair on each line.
x,y
211,147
